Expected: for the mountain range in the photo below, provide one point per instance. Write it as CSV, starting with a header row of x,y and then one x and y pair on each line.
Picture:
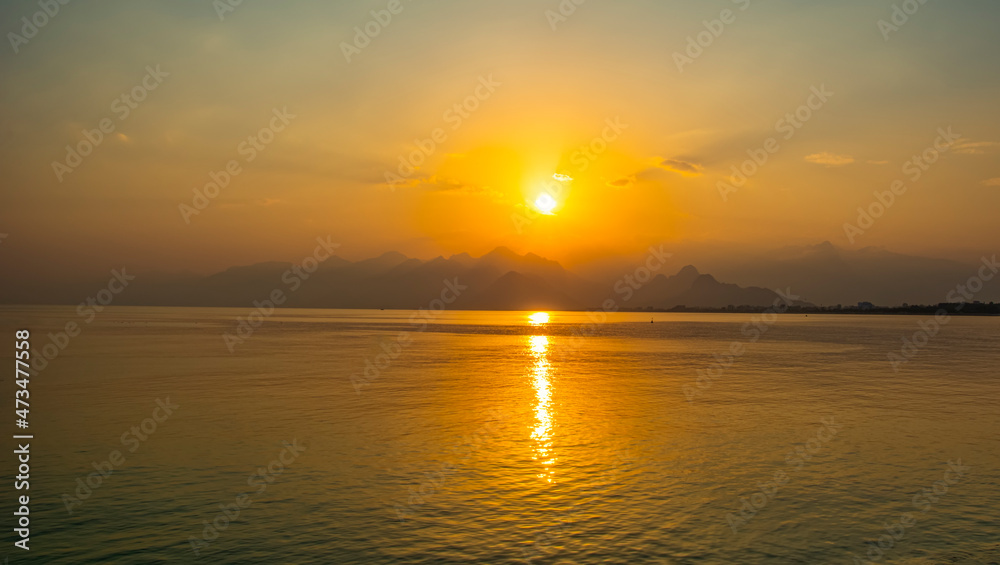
x,y
504,280
499,280
831,275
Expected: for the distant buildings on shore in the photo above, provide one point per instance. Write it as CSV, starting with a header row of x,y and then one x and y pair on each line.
x,y
954,308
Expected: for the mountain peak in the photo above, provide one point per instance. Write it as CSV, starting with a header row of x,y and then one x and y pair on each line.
x,y
703,280
502,252
463,259
825,248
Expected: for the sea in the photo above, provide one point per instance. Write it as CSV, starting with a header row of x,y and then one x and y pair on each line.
x,y
225,436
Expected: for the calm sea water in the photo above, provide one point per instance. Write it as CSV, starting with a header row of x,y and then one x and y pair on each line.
x,y
500,438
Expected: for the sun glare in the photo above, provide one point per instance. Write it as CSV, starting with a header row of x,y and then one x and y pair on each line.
x,y
539,318
545,203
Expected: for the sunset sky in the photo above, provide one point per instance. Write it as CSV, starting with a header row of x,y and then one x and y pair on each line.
x,y
543,93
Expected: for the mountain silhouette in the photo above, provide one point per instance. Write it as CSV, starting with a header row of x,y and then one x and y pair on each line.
x,y
823,274
706,292
828,274
660,291
499,280
516,291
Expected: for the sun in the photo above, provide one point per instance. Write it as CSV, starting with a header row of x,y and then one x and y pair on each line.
x,y
546,204
539,318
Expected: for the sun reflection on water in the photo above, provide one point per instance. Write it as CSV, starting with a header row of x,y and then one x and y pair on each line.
x,y
539,318
542,432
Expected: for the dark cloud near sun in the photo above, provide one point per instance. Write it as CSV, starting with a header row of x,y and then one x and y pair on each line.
x,y
623,182
680,166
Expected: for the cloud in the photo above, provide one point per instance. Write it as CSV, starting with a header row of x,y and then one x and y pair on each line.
x,y
830,159
432,183
622,182
992,182
407,183
440,185
682,167
238,203
966,147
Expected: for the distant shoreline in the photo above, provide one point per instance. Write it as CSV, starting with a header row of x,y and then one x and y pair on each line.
x,y
956,309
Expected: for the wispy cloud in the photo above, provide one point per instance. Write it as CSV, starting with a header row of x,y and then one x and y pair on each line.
x,y
623,182
682,167
992,182
830,159
967,147
443,185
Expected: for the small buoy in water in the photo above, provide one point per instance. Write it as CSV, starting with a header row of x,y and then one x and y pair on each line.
x,y
650,320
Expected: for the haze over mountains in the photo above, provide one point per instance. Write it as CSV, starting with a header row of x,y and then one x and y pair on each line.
x,y
830,275
505,280
499,280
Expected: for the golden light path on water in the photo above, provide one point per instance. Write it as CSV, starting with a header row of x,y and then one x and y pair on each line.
x,y
539,318
542,432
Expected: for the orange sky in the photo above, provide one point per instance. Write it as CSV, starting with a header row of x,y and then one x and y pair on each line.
x,y
529,97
